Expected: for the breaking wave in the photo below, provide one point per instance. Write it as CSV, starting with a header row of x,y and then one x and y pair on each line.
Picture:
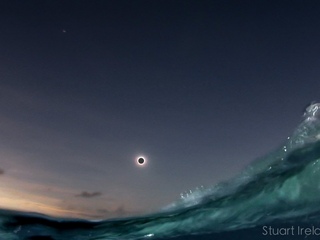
x,y
282,187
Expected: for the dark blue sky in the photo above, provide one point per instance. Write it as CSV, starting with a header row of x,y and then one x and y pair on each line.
x,y
201,88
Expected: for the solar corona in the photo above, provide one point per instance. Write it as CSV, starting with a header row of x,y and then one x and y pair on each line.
x,y
141,161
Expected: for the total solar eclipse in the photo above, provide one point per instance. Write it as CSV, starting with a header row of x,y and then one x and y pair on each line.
x,y
141,161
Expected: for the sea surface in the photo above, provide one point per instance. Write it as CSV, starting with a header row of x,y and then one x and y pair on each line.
x,y
275,197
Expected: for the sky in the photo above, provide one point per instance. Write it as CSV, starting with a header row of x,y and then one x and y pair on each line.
x,y
199,88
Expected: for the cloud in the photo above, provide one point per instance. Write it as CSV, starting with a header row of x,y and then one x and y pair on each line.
x,y
1,171
86,194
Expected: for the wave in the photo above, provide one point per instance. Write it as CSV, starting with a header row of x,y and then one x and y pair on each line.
x,y
281,187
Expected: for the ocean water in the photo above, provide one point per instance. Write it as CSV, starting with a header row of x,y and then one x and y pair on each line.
x,y
275,197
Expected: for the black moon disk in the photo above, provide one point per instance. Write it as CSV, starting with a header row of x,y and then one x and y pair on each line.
x,y
141,160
